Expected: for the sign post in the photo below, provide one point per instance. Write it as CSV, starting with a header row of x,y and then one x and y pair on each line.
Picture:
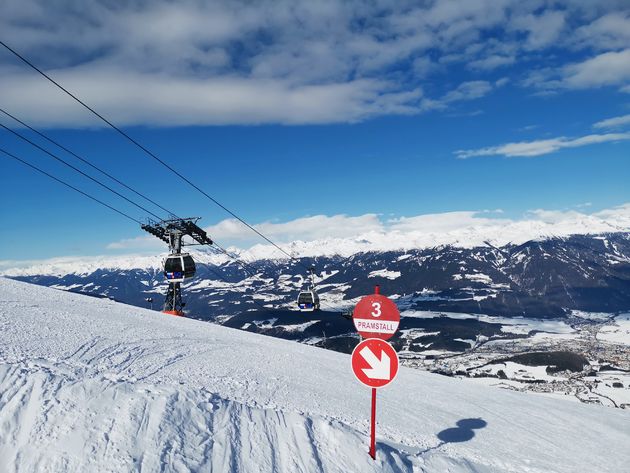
x,y
376,316
374,361
373,426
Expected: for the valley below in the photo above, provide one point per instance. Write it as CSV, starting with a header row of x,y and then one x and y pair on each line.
x,y
585,357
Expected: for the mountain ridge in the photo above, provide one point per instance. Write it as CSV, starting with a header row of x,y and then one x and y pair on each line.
x,y
539,278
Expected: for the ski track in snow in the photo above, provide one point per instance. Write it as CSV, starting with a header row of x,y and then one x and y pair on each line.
x,y
92,385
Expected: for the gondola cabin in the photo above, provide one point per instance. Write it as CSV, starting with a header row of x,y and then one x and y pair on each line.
x,y
179,267
308,301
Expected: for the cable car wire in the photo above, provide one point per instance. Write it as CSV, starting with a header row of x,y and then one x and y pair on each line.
x,y
63,161
216,246
253,272
5,152
248,268
147,151
11,155
85,194
50,140
243,264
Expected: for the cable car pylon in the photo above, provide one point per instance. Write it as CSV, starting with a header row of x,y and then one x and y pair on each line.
x,y
178,266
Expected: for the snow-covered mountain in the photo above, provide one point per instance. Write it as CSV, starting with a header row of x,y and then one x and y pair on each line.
x,y
539,278
93,385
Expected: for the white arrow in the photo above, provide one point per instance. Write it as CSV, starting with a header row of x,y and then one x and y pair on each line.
x,y
379,369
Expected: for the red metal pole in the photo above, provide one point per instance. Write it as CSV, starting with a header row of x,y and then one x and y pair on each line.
x,y
377,290
373,425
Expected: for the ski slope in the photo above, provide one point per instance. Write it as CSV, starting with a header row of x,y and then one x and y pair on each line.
x,y
92,385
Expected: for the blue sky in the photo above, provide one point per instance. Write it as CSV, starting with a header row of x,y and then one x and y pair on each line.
x,y
293,109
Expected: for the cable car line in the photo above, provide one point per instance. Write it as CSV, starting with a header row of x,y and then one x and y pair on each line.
x,y
61,160
248,269
252,272
216,246
243,264
10,155
85,194
315,301
68,185
47,138
147,151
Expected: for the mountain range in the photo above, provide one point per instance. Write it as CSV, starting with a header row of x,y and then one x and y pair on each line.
x,y
541,278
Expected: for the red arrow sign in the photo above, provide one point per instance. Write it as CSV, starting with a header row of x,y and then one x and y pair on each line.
x,y
374,362
376,316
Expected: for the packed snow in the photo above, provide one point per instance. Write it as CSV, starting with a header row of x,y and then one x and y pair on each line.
x,y
92,385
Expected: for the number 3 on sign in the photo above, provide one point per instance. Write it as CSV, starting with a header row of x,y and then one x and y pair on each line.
x,y
377,309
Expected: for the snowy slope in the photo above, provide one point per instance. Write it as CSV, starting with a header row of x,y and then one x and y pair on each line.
x,y
92,385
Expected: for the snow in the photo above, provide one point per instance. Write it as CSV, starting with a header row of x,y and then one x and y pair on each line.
x,y
479,277
516,325
596,316
85,265
520,372
494,232
619,332
465,340
91,385
384,273
621,395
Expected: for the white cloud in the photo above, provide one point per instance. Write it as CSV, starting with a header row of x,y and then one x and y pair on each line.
x,y
441,223
528,127
193,62
346,235
464,92
129,98
465,229
541,147
611,31
554,216
137,243
611,68
468,91
619,215
542,29
614,122
309,228
492,62
304,228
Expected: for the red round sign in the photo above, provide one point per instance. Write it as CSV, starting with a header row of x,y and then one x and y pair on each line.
x,y
376,316
375,362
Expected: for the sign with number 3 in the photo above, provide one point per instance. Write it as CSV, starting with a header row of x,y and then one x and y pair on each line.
x,y
376,316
